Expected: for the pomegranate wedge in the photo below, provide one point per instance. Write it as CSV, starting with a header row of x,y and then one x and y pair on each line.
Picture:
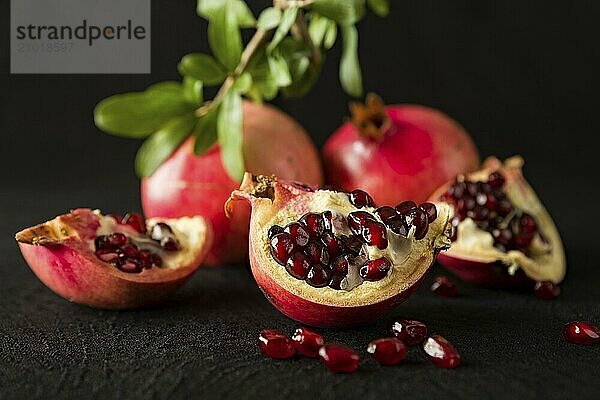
x,y
330,259
112,262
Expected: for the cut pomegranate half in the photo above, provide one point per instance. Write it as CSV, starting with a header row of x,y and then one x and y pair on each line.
x,y
354,267
504,237
114,263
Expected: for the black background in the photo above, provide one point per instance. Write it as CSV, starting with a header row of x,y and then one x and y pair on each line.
x,y
521,76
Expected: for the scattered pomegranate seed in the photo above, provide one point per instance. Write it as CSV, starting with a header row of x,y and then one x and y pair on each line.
x,y
307,342
387,351
444,287
339,358
581,332
375,270
546,290
360,199
275,344
136,221
409,331
441,352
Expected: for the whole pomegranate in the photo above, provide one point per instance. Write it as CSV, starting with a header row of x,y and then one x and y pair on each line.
x,y
397,152
188,185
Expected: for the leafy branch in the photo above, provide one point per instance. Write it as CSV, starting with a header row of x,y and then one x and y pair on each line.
x,y
285,53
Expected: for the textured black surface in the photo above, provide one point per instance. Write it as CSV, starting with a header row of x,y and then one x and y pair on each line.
x,y
520,75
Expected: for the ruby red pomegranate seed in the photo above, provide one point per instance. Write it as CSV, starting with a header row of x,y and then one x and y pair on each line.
x,y
360,199
405,206
441,352
496,180
375,270
333,244
417,218
430,210
107,255
546,290
274,230
339,266
374,234
136,221
317,253
386,213
298,266
358,219
307,342
282,247
314,224
339,358
409,331
297,233
275,344
581,332
327,221
387,351
444,287
318,276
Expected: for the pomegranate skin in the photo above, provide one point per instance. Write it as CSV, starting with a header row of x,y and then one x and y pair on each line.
x,y
188,185
323,315
71,270
421,149
491,275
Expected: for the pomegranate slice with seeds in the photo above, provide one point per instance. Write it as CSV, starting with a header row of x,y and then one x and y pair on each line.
x,y
504,236
353,268
114,263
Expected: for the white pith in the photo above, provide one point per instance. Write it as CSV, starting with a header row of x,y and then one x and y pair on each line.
x,y
410,258
546,261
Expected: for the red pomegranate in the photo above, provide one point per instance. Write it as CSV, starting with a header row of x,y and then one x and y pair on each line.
x,y
187,185
330,259
397,152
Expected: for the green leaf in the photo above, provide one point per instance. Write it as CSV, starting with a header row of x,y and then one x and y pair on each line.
x,y
296,54
300,86
172,87
350,74
224,37
156,149
192,90
202,67
269,18
379,7
254,93
138,114
317,28
243,83
287,20
345,12
229,129
279,71
330,35
268,88
205,132
243,15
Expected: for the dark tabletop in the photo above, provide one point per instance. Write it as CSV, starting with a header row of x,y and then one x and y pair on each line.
x,y
520,75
